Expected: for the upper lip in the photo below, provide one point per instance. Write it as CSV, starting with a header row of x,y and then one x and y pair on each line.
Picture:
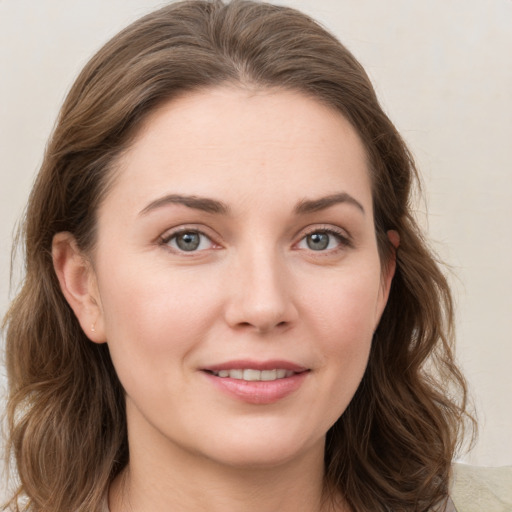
x,y
240,364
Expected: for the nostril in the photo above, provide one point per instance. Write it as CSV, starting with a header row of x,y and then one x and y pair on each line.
x,y
262,327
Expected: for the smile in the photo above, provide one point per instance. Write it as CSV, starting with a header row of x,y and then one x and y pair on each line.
x,y
257,382
254,375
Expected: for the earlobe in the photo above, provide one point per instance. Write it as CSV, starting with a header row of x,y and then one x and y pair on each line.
x,y
394,238
78,284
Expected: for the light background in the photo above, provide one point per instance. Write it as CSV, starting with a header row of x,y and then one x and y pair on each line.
x,y
443,72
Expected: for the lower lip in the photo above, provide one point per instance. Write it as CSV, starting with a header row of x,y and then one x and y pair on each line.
x,y
258,392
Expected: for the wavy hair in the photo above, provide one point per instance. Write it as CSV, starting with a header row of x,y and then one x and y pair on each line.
x,y
393,446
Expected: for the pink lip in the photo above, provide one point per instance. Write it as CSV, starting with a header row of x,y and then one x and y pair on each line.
x,y
257,392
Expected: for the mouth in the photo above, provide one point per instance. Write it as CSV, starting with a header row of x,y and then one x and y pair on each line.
x,y
257,382
252,375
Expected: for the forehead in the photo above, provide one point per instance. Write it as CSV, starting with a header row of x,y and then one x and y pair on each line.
x,y
233,141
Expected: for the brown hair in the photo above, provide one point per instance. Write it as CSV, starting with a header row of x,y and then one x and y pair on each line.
x,y
393,446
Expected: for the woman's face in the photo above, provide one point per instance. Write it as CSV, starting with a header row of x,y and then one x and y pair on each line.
x,y
237,276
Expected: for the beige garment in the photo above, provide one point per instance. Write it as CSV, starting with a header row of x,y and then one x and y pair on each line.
x,y
480,489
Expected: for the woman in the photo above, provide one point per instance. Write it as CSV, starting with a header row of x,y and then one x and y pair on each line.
x,y
228,304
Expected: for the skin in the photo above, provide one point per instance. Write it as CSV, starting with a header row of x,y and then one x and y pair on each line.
x,y
254,290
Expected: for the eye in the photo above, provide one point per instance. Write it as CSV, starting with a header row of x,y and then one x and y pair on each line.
x,y
323,240
188,241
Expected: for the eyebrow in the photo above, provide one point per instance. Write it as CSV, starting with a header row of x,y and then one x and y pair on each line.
x,y
214,206
198,203
315,205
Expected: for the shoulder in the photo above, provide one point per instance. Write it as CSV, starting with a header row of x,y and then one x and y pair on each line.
x,y
477,489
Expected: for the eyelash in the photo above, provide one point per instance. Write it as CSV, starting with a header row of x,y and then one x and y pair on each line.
x,y
342,238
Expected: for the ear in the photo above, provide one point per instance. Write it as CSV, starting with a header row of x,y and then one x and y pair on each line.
x,y
78,283
388,273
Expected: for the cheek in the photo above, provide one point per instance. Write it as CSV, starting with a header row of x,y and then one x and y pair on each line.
x,y
343,317
152,314
346,307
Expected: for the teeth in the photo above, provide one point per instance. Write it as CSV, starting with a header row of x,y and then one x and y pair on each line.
x,y
268,374
236,374
254,375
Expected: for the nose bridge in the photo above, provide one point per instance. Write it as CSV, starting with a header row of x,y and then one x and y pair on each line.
x,y
262,290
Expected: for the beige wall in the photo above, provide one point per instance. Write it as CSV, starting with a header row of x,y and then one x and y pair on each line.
x,y
443,72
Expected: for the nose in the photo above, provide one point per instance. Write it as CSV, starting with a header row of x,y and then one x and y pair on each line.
x,y
261,293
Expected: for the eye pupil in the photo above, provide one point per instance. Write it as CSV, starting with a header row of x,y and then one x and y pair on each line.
x,y
188,241
318,241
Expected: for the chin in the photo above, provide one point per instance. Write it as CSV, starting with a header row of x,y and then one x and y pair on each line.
x,y
262,451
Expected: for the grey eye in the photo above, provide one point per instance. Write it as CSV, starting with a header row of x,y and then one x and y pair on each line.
x,y
188,241
318,241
